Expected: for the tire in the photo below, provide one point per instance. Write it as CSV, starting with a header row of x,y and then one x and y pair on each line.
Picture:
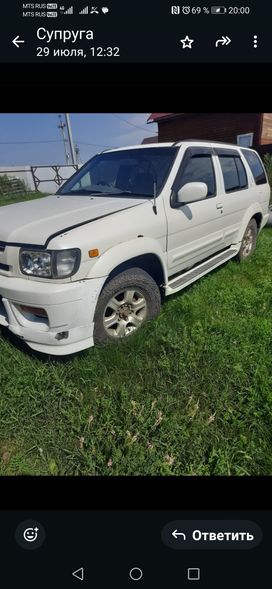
x,y
249,241
126,302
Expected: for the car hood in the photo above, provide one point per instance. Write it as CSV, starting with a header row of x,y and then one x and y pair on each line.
x,y
37,221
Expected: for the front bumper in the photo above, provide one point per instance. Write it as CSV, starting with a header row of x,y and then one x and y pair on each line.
x,y
70,309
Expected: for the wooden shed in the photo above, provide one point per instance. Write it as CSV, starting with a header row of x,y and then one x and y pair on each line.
x,y
245,129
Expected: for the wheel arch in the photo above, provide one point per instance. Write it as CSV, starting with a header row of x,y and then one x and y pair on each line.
x,y
258,218
252,213
143,253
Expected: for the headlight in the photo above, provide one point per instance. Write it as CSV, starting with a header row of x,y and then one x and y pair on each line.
x,y
50,264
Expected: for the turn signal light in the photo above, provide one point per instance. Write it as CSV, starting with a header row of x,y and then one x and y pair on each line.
x,y
93,253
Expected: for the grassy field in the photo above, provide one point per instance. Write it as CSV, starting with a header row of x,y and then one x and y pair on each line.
x,y
190,394
9,200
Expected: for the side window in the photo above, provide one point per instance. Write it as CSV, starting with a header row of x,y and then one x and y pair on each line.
x,y
241,172
234,173
200,169
256,166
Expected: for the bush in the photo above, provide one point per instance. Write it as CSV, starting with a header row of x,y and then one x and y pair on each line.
x,y
268,166
11,186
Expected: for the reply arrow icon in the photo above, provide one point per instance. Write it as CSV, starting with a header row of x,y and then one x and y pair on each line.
x,y
17,41
176,534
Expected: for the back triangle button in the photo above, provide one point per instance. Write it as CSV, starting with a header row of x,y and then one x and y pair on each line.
x,y
79,574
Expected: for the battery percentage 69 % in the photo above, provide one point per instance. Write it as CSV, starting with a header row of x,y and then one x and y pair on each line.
x,y
195,10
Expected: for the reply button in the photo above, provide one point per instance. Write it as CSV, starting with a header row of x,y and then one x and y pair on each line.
x,y
211,535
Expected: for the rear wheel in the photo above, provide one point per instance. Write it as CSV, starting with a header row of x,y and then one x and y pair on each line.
x,y
126,302
249,241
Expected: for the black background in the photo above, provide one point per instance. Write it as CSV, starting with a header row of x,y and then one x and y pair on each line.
x,y
179,493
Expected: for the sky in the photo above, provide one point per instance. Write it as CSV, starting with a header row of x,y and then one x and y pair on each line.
x,y
34,139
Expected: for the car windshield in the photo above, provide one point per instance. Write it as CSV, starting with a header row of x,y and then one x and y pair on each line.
x,y
133,172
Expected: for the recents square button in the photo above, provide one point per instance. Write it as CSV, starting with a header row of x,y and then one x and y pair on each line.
x,y
193,574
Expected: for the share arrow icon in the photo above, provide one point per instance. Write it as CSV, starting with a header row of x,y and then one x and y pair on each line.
x,y
223,41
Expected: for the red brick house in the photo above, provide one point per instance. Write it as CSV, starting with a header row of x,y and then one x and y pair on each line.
x,y
247,129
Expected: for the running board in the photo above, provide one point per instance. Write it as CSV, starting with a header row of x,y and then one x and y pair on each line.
x,y
190,276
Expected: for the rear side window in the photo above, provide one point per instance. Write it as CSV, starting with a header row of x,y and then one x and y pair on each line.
x,y
241,172
234,173
200,169
256,166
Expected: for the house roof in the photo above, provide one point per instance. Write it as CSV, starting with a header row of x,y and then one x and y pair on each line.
x,y
157,116
153,139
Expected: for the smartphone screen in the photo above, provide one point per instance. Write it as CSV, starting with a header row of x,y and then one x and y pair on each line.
x,y
135,294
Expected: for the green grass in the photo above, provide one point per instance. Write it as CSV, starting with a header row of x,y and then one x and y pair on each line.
x,y
190,394
11,199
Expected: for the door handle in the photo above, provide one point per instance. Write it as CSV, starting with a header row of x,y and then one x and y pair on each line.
x,y
219,206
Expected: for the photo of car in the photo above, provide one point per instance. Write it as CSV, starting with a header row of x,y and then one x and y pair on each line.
x,y
92,263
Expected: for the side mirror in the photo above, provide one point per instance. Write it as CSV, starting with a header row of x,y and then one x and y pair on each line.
x,y
191,192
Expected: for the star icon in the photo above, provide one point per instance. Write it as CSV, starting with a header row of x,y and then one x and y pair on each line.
x,y
187,42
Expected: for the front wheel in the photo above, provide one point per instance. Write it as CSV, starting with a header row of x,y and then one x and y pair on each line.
x,y
126,302
249,241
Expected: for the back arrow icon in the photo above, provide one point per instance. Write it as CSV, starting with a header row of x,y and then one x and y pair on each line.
x,y
223,40
79,574
16,41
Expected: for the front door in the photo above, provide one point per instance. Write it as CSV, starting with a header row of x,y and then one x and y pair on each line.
x,y
195,230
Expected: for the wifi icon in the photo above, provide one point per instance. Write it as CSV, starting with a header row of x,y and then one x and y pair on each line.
x,y
85,10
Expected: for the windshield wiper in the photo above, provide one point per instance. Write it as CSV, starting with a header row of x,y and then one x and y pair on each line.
x,y
129,192
84,191
106,193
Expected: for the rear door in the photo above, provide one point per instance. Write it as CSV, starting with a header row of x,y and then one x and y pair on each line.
x,y
195,230
237,191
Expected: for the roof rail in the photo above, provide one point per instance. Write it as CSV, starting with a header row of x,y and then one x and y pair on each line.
x,y
205,141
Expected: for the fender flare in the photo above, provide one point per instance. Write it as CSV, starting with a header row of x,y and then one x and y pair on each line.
x,y
124,251
253,210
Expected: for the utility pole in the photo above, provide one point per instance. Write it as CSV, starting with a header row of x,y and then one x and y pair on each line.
x,y
62,126
77,151
70,137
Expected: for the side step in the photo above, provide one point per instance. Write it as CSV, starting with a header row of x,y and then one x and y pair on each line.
x,y
203,268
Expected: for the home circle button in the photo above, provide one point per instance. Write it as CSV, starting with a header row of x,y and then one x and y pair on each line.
x,y
136,574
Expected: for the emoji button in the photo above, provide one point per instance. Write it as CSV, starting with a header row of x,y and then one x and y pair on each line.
x,y
30,535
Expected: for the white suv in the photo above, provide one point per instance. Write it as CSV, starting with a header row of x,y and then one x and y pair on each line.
x,y
89,264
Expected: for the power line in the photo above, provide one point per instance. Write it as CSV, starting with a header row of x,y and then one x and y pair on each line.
x,y
132,124
28,142
53,141
95,144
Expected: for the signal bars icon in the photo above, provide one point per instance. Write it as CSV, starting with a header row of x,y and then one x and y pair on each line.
x,y
85,10
68,11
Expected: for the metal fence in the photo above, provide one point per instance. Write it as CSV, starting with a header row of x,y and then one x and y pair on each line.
x,y
37,178
51,176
